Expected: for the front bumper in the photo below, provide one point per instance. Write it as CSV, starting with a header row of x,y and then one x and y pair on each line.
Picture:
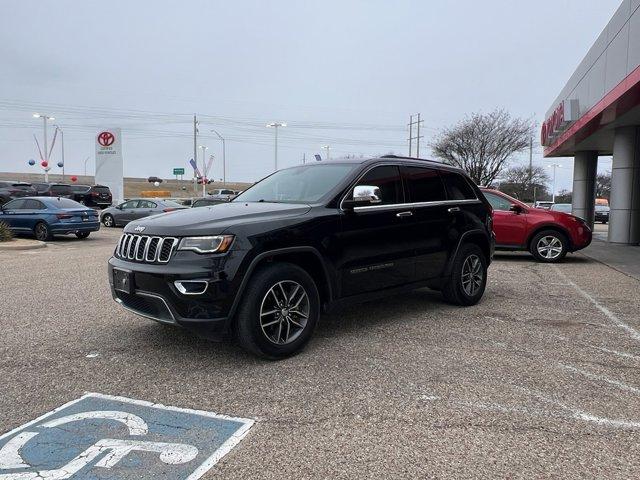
x,y
155,296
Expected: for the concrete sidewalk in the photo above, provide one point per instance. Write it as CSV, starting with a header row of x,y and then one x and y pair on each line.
x,y
623,258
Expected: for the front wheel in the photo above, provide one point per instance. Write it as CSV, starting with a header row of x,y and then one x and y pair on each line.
x,y
108,221
82,235
279,311
468,278
549,246
42,232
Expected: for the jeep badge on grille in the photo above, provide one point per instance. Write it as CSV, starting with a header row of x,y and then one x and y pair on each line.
x,y
140,228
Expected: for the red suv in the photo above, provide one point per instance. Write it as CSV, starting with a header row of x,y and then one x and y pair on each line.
x,y
548,235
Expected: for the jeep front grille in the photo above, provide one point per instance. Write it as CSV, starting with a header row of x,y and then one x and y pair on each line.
x,y
143,248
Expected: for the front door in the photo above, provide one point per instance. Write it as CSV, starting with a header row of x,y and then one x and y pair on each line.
x,y
128,211
375,251
510,227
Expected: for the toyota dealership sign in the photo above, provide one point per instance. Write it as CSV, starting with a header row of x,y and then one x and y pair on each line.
x,y
109,167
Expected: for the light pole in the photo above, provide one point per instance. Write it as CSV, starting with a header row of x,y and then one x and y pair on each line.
x,y
85,165
204,167
224,160
46,152
275,126
327,148
62,147
553,193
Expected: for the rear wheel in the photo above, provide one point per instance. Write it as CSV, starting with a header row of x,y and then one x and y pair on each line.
x,y
82,235
549,246
468,278
108,220
279,312
42,232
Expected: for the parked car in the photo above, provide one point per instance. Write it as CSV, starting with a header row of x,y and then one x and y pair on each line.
x,y
304,239
545,205
561,207
135,209
12,189
45,217
97,196
602,213
222,194
54,190
206,202
549,235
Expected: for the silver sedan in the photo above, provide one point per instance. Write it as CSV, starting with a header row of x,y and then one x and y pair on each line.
x,y
135,209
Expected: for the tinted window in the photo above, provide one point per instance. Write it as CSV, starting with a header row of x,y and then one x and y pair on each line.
x,y
60,190
147,204
130,204
79,188
602,208
457,186
498,202
101,189
33,205
14,205
64,203
387,178
424,185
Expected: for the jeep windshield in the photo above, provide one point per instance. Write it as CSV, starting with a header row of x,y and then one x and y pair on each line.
x,y
304,184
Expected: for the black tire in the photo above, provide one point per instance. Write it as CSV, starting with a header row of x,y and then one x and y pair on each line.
x,y
42,232
82,235
549,246
463,288
108,220
252,335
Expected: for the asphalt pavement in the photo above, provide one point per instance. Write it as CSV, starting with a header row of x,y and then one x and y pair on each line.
x,y
541,379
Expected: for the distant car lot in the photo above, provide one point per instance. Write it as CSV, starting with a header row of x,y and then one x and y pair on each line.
x,y
479,392
135,209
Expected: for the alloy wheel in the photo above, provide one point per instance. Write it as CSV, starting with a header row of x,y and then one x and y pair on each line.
x,y
472,275
42,232
284,312
108,221
549,247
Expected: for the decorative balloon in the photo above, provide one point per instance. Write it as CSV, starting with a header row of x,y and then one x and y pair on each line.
x,y
32,162
157,184
60,164
74,179
44,164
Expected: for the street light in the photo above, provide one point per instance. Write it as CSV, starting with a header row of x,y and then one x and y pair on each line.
x,y
62,146
204,167
275,125
327,148
224,160
553,193
46,153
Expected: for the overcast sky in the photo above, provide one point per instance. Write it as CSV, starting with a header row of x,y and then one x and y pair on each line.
x,y
341,73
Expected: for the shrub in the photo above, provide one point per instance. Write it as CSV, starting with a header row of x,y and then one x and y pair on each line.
x,y
5,232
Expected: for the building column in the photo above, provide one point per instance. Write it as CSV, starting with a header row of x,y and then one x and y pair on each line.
x,y
585,167
624,217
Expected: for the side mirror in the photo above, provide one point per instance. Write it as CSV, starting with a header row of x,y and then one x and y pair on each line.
x,y
366,195
515,209
119,207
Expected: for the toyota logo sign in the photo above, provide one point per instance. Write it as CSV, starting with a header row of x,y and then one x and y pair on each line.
x,y
106,139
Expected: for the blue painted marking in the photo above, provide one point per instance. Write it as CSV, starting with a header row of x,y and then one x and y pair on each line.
x,y
104,437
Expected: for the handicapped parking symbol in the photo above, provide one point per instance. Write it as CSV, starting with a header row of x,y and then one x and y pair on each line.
x,y
166,437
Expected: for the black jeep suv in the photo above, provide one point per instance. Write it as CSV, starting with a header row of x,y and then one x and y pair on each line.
x,y
263,266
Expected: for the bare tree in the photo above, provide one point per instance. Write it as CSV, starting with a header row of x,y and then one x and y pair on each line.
x,y
481,144
603,185
524,185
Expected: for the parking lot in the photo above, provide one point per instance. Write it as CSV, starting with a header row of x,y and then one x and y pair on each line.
x,y
539,379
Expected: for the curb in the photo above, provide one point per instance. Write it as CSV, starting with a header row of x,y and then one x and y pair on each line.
x,y
21,245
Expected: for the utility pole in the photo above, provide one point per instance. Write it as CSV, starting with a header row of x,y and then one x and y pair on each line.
x,y
46,151
327,148
62,147
417,138
85,165
224,160
276,125
195,150
204,168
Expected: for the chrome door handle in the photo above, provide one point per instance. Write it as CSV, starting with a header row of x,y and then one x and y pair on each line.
x,y
453,209
404,214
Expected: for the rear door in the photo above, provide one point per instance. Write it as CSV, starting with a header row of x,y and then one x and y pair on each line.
x,y
375,251
429,220
145,209
510,227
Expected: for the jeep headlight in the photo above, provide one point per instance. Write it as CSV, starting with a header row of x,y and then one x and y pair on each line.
x,y
209,244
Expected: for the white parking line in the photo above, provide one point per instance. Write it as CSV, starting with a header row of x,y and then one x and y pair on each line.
x,y
607,313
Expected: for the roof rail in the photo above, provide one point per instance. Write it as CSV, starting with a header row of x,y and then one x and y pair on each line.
x,y
411,158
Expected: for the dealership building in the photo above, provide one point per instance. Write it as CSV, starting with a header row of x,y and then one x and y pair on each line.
x,y
598,113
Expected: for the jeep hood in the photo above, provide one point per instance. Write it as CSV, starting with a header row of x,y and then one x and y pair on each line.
x,y
214,219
